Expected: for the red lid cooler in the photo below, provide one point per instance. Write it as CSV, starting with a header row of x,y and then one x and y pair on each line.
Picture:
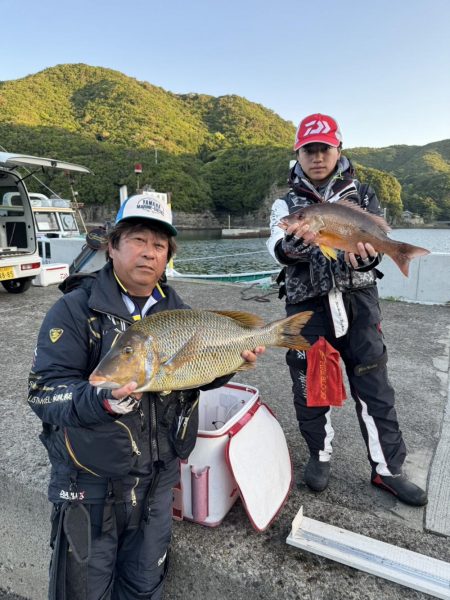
x,y
241,451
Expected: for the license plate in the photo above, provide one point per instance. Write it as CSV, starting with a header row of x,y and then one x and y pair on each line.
x,y
6,273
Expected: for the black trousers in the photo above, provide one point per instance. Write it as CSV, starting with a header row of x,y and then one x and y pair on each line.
x,y
128,560
364,355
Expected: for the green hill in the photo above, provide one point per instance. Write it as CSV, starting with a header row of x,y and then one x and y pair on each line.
x,y
222,154
423,171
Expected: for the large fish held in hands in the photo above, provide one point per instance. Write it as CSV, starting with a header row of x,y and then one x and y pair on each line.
x,y
341,225
183,349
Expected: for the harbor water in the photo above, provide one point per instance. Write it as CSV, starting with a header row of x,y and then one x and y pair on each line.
x,y
203,251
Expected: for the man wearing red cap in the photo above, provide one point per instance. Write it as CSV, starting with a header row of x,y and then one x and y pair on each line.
x,y
343,295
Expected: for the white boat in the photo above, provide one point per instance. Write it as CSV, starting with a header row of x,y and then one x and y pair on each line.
x,y
60,240
259,277
54,217
58,234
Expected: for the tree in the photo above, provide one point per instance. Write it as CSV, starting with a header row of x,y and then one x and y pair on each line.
x,y
387,189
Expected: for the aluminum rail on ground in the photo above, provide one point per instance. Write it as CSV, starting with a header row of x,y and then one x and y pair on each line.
x,y
408,568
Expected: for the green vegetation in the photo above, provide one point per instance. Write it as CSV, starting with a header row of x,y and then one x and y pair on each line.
x,y
223,154
423,171
387,188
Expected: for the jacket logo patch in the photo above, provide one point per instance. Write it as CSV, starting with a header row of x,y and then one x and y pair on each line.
x,y
55,334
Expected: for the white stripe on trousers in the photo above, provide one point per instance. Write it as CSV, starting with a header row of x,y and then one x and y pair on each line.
x,y
325,454
375,449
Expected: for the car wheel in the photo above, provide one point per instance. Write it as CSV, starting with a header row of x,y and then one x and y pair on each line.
x,y
17,286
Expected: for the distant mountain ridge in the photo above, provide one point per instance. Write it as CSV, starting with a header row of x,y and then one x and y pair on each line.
x,y
423,171
222,154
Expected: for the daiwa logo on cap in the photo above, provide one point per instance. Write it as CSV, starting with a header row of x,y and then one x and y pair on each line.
x,y
146,206
318,128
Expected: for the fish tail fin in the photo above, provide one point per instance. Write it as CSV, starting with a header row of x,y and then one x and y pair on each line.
x,y
287,331
328,252
405,253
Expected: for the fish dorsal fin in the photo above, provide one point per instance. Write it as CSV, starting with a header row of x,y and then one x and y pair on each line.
x,y
243,318
377,219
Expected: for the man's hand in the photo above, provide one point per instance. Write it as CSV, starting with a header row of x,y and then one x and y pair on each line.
x,y
299,231
366,253
123,400
251,356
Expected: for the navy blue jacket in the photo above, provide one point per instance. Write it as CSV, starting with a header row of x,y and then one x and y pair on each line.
x,y
87,446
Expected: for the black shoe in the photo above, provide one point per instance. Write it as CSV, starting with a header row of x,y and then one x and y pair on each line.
x,y
317,474
401,488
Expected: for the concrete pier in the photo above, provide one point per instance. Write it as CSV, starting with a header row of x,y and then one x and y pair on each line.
x,y
249,232
233,560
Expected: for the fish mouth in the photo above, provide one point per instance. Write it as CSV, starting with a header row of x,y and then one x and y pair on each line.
x,y
98,381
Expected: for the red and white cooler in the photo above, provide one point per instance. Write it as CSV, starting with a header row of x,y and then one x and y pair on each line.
x,y
241,451
51,274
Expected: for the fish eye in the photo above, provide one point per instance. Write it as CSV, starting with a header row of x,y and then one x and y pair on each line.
x,y
127,350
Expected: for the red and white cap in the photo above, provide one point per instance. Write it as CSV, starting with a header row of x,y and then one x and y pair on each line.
x,y
318,128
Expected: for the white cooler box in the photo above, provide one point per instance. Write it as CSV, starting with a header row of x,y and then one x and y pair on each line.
x,y
51,274
240,451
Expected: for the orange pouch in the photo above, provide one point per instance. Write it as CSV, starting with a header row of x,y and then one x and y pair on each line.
x,y
324,385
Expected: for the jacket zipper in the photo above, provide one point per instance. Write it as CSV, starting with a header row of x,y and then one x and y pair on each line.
x,y
74,458
134,446
153,439
185,420
142,417
133,492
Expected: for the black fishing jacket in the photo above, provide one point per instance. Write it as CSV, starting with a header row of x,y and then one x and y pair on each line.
x,y
87,446
308,273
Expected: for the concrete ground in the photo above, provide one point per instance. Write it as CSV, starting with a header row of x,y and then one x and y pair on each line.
x,y
233,560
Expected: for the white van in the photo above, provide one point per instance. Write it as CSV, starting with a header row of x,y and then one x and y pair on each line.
x,y
19,258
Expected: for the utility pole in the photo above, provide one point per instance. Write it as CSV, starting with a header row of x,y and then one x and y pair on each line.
x,y
77,205
138,171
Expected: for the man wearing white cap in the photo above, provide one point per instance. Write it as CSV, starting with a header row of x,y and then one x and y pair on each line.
x,y
343,295
114,454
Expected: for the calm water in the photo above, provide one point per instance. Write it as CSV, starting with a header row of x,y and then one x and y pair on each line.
x,y
212,255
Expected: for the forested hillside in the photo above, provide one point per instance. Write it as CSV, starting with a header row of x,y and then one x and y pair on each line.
x,y
221,154
423,171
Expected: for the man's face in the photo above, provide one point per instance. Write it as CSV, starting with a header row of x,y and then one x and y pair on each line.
x,y
318,161
140,260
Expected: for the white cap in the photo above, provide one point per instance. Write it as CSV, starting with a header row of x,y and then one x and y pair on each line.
x,y
147,206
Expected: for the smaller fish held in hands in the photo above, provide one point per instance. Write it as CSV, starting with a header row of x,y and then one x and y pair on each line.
x,y
183,349
341,225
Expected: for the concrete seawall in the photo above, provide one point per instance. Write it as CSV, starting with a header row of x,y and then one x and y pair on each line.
x,y
233,560
428,281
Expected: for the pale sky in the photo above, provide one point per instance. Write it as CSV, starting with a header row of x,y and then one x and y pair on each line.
x,y
380,67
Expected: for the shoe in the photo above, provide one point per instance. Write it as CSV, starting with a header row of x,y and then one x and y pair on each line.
x,y
401,488
317,474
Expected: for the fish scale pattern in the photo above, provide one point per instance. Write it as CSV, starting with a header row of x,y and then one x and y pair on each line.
x,y
204,345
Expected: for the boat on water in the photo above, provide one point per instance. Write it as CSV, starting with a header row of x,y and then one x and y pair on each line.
x,y
59,237
54,217
259,277
60,240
